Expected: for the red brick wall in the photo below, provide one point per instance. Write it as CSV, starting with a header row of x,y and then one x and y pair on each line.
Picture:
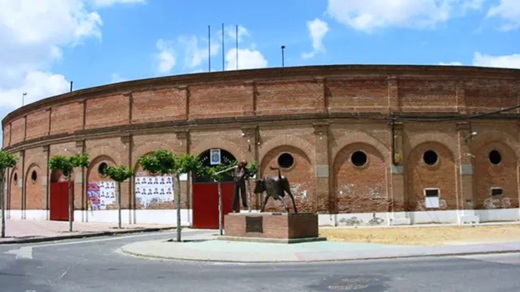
x,y
488,175
360,188
156,105
15,200
17,130
6,134
208,101
35,196
300,176
67,118
37,124
427,95
368,95
107,111
441,175
289,97
487,95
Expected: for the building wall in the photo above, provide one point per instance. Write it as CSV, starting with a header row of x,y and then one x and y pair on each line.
x,y
319,115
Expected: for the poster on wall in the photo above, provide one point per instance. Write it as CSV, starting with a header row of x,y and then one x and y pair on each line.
x,y
101,194
153,190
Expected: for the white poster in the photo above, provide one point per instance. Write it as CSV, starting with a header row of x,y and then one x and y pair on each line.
x,y
102,194
153,190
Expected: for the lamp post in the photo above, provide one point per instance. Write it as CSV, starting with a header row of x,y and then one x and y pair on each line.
x,y
23,98
283,56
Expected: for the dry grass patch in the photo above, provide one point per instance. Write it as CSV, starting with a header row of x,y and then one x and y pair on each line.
x,y
422,235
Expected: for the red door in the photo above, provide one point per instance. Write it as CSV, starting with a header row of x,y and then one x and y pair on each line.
x,y
205,203
59,201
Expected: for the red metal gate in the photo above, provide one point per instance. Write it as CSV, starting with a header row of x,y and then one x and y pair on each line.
x,y
205,203
59,201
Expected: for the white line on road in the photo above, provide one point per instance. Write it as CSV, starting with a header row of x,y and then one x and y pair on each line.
x,y
96,240
24,252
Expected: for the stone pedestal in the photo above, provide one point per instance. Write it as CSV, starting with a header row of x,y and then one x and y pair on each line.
x,y
272,227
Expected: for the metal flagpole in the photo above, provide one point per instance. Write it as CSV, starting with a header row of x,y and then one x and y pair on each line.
x,y
223,47
209,48
236,49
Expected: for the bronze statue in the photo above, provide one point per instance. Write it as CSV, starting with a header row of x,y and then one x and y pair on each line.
x,y
239,177
275,186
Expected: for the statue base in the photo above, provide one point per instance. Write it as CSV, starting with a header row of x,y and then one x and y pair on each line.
x,y
272,227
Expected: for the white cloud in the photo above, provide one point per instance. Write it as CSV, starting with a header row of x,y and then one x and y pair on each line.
x,y
165,57
506,61
247,59
196,50
32,34
509,11
231,32
368,15
105,3
115,78
450,64
37,84
317,31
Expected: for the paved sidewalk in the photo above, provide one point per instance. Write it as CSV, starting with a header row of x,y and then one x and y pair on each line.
x,y
22,231
207,248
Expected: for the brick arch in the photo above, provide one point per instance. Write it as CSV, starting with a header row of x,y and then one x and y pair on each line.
x,y
287,140
487,175
359,189
148,148
107,151
34,191
225,144
301,178
442,175
94,163
481,140
14,201
361,137
446,140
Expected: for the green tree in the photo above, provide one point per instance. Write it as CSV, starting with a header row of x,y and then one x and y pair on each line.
x,y
67,164
164,162
119,174
7,160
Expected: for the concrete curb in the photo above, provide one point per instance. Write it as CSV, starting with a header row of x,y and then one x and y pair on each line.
x,y
390,257
83,235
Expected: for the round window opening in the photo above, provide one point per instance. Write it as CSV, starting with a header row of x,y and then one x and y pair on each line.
x,y
34,176
66,173
102,169
285,160
15,178
495,157
430,157
359,158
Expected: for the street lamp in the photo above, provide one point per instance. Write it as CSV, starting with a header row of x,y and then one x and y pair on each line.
x,y
283,57
23,98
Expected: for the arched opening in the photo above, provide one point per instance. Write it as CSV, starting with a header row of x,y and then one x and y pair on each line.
x,y
59,196
212,158
205,191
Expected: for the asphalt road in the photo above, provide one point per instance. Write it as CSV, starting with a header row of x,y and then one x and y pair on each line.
x,y
97,265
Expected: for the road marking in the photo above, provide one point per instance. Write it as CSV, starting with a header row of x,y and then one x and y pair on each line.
x,y
94,240
24,252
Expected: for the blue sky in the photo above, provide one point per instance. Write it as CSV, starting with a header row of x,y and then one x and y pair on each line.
x,y
48,43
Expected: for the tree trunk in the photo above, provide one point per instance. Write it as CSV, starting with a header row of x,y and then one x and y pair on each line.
x,y
119,204
2,201
179,227
71,203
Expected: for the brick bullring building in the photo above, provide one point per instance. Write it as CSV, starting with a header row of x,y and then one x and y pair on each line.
x,y
359,144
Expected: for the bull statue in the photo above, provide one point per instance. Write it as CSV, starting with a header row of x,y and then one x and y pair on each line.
x,y
275,186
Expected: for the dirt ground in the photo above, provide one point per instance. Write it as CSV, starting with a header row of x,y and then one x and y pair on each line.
x,y
425,235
